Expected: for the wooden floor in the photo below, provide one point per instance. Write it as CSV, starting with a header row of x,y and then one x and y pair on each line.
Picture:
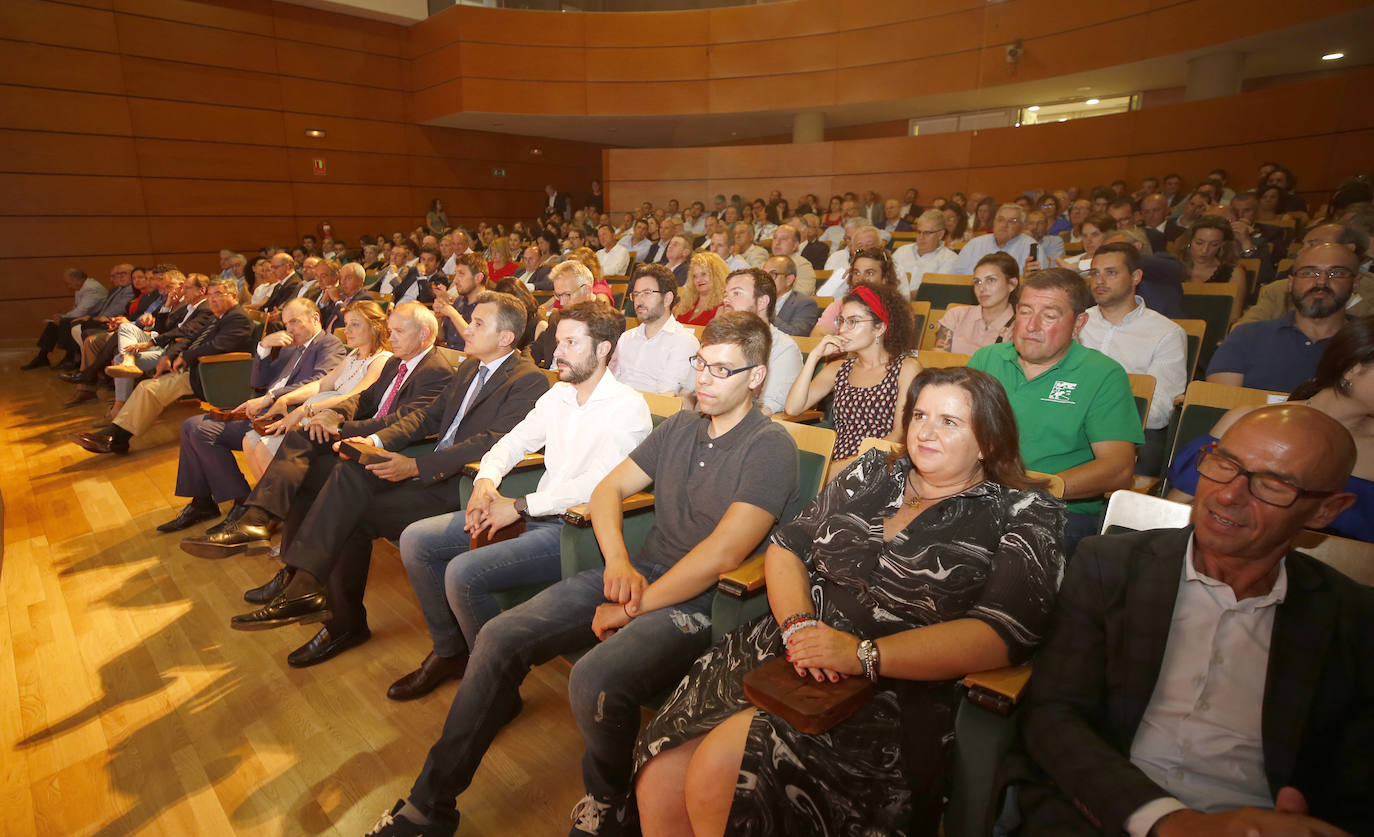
x,y
128,706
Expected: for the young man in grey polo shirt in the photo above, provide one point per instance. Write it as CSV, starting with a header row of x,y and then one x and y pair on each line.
x,y
722,479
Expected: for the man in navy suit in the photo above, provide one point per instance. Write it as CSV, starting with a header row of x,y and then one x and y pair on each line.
x,y
206,470
348,291
793,313
1212,680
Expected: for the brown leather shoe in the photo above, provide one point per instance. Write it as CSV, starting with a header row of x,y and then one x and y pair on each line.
x,y
81,396
98,443
432,673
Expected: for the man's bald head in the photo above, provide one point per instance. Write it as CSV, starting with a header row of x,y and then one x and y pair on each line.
x,y
1326,442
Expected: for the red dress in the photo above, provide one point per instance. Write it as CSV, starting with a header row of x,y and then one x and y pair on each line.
x,y
701,319
499,273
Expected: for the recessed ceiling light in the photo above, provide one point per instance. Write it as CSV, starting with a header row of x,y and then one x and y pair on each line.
x,y
1063,119
1033,108
1092,101
1333,56
1086,87
314,132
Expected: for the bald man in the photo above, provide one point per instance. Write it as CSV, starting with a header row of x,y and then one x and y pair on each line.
x,y
1275,301
1281,353
1209,679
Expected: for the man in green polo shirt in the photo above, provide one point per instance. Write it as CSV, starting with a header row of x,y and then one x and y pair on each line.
x,y
1073,404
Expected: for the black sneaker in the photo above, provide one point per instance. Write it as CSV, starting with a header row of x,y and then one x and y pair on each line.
x,y
392,824
603,818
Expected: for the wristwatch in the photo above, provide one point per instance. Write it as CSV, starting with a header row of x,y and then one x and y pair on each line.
x,y
522,507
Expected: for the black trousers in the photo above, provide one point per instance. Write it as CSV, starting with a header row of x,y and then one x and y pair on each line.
x,y
331,526
57,336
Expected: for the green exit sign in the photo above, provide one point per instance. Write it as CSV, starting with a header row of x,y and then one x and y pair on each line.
x,y
498,172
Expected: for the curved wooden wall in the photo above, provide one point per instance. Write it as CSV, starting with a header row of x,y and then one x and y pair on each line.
x,y
1314,127
799,54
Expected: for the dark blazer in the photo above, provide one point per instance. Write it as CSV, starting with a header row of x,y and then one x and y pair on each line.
x,y
422,385
284,292
902,226
680,273
1158,242
323,354
1161,284
145,304
504,401
816,252
185,331
232,332
331,314
1096,671
797,315
410,277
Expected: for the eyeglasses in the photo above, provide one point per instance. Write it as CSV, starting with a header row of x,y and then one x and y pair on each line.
x,y
644,294
852,322
1329,273
717,370
1268,488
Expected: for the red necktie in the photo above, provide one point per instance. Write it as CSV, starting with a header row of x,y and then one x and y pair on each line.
x,y
391,393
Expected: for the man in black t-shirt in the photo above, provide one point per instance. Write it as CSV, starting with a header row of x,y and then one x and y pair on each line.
x,y
722,480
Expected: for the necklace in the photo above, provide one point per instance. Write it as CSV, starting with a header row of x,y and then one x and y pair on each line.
x,y
917,499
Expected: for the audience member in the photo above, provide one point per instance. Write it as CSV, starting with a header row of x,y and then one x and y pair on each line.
x,y
785,241
753,290
1143,341
1209,252
814,251
967,328
721,481
1161,283
1211,680
702,295
927,254
1281,353
1006,236
870,264
1275,300
653,356
795,313
955,505
868,368
612,256
453,307
1073,403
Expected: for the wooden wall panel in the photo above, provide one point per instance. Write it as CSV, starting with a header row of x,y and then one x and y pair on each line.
x,y
44,65
191,44
330,63
37,236
216,197
188,121
35,109
208,235
150,78
210,160
40,22
247,16
47,194
44,151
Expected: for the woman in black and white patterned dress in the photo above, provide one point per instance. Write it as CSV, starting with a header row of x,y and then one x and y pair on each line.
x,y
947,557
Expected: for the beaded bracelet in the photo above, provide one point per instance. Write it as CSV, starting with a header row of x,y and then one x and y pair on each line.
x,y
794,625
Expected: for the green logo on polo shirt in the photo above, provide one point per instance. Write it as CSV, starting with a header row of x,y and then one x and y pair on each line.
x,y
1061,393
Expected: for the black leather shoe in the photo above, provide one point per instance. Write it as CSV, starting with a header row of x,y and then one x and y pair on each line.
x,y
324,646
194,512
312,607
71,377
69,363
232,517
272,589
98,443
39,362
236,539
433,672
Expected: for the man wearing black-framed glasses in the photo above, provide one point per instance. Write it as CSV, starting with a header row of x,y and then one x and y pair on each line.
x,y
652,356
1281,353
1209,679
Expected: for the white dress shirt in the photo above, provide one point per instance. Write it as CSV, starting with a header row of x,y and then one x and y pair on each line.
x,y
1201,736
697,227
737,262
978,247
912,267
784,365
837,285
581,442
613,263
838,260
1145,342
658,363
640,250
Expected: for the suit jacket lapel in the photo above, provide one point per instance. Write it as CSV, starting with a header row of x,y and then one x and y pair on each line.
x,y
466,372
1298,650
1149,609
492,383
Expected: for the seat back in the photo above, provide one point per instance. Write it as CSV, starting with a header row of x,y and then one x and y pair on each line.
x,y
814,447
1216,303
1350,557
942,290
931,332
930,358
662,407
1195,331
920,314
226,379
1131,511
1204,403
1143,389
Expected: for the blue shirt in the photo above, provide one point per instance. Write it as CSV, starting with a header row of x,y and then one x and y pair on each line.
x,y
1018,248
1271,354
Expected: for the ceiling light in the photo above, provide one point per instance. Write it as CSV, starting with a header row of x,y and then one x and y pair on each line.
x,y
1092,101
1033,108
1063,119
535,151
314,132
1333,56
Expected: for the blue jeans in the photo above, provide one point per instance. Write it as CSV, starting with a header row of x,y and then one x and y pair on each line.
x,y
455,586
606,689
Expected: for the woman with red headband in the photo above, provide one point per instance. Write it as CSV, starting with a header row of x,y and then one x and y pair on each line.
x,y
867,364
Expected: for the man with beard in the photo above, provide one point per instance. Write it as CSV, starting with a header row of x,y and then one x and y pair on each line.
x,y
585,424
1281,353
653,356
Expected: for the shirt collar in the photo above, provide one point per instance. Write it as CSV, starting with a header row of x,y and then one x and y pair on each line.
x,y
1222,592
495,364
732,436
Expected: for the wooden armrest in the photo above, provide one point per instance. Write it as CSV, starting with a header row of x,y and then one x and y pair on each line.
x,y
745,579
580,515
225,357
998,690
531,460
804,417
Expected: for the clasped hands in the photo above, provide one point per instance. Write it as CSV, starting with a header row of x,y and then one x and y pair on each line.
x,y
1289,818
487,510
623,586
824,653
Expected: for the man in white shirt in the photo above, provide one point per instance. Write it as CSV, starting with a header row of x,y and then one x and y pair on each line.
x,y
653,356
864,238
310,284
1006,237
745,247
637,242
720,245
753,290
694,221
397,271
927,254
1211,680
836,235
614,258
1143,341
786,239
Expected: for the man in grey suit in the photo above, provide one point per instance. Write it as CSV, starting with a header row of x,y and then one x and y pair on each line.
x,y
206,469
89,294
1211,680
793,313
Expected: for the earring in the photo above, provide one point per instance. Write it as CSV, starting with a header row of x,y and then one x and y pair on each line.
x,y
1345,385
